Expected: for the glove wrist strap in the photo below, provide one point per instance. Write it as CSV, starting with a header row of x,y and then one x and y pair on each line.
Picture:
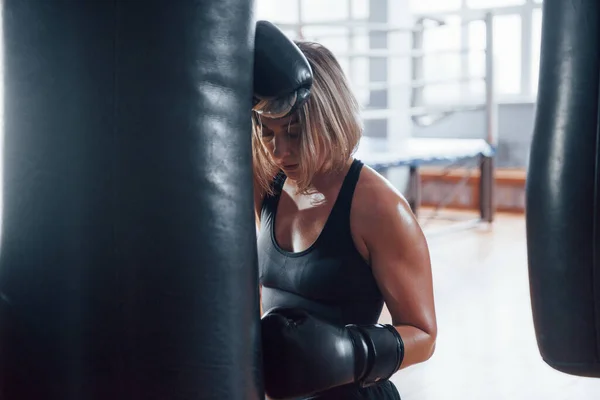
x,y
379,352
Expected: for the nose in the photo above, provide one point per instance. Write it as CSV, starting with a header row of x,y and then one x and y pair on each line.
x,y
281,147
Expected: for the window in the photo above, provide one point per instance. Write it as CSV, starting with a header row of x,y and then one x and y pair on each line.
x,y
446,37
493,3
277,11
323,10
433,6
453,76
507,54
509,62
359,79
441,66
360,9
335,38
476,60
536,41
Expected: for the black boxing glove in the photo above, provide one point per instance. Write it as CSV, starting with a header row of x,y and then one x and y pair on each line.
x,y
282,75
303,355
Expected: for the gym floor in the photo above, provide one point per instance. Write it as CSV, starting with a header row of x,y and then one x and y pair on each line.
x,y
486,346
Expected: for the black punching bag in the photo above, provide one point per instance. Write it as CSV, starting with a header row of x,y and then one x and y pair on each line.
x,y
127,253
563,206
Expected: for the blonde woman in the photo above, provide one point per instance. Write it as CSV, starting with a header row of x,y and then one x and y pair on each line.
x,y
336,242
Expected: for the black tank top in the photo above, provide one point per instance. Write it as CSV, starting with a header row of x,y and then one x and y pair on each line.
x,y
330,278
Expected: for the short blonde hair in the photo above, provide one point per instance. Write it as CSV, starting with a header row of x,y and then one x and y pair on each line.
x,y
330,123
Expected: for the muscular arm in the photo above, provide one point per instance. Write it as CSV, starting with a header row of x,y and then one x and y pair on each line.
x,y
400,261
389,237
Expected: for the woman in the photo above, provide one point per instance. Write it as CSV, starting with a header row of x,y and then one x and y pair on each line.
x,y
335,238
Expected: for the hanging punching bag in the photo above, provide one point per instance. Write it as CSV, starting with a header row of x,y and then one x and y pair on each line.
x,y
563,206
127,252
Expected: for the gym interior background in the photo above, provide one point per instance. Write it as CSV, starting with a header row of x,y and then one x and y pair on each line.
x,y
373,42
419,69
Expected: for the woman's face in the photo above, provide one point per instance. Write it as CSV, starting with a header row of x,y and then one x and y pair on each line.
x,y
281,139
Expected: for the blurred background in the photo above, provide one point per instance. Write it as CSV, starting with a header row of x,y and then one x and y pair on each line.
x,y
448,90
375,42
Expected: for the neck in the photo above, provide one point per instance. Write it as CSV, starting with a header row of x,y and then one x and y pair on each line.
x,y
322,181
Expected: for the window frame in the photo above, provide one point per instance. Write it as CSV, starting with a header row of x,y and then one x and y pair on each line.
x,y
528,90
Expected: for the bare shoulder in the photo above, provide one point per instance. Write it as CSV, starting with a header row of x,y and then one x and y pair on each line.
x,y
376,199
380,211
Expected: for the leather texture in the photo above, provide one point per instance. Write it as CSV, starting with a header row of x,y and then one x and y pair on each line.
x,y
562,191
128,248
282,74
305,355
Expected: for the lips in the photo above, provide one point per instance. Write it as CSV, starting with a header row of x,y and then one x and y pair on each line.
x,y
289,166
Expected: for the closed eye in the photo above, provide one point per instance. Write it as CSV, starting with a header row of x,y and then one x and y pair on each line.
x,y
266,133
294,130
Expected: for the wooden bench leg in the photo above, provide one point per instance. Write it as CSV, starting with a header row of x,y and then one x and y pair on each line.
x,y
486,189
